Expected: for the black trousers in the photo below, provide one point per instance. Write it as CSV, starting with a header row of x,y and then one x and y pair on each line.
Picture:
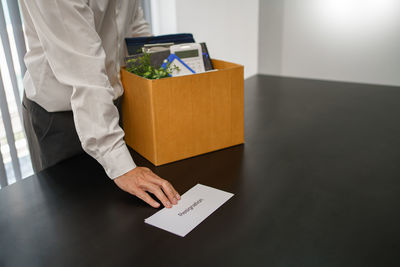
x,y
51,136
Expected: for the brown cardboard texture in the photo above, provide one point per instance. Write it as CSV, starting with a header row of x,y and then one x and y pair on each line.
x,y
174,118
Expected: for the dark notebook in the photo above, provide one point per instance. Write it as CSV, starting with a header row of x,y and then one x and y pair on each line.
x,y
134,45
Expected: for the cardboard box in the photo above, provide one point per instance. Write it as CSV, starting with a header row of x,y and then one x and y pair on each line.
x,y
175,118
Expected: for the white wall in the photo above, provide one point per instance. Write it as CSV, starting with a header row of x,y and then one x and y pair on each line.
x,y
345,40
229,27
163,15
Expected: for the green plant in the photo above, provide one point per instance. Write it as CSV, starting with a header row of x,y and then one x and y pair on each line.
x,y
141,66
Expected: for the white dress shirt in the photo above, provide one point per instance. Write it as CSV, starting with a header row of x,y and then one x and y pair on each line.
x,y
75,49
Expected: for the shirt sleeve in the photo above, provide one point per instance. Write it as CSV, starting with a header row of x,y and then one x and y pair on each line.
x,y
139,26
66,30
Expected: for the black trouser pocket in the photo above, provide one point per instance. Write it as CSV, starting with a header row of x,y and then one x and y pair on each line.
x,y
51,136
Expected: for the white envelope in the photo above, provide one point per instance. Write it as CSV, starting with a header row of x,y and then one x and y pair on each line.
x,y
194,206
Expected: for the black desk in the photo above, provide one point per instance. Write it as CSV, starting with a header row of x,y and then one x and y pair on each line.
x,y
316,184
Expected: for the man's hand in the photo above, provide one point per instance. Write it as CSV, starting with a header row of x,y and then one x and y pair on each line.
x,y
140,180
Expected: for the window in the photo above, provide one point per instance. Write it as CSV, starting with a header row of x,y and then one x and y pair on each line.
x,y
15,162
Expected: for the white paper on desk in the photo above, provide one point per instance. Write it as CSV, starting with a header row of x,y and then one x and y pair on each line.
x,y
194,206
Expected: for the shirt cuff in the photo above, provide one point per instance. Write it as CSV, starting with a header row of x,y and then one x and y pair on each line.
x,y
118,162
